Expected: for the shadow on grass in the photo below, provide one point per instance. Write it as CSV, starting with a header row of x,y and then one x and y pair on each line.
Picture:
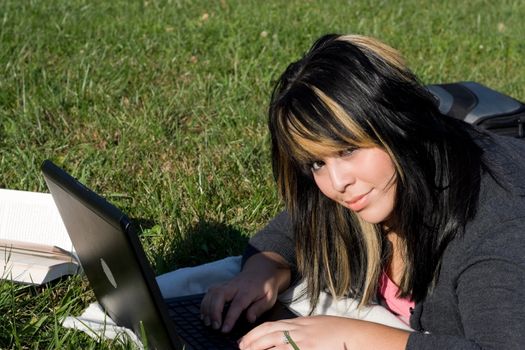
x,y
142,224
203,242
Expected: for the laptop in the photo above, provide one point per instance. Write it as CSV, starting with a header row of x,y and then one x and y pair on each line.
x,y
122,279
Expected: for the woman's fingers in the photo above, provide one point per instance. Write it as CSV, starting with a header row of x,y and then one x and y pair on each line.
x,y
205,306
260,306
239,303
254,289
271,340
245,301
212,304
269,335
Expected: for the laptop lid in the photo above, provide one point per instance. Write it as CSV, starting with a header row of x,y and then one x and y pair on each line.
x,y
112,258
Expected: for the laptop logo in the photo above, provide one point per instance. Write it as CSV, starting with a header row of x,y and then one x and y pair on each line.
x,y
108,273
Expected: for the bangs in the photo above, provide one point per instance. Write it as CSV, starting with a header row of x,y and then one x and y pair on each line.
x,y
314,125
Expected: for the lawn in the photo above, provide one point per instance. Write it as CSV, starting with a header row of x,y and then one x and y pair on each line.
x,y
161,107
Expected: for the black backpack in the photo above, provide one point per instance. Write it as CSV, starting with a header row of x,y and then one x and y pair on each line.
x,y
481,106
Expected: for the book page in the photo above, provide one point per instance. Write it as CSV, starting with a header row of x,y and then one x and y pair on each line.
x,y
35,268
32,217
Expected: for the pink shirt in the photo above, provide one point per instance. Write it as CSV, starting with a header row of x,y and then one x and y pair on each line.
x,y
399,306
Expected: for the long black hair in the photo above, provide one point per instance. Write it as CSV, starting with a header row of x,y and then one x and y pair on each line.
x,y
356,91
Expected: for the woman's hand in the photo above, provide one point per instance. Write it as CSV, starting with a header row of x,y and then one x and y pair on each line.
x,y
324,332
254,289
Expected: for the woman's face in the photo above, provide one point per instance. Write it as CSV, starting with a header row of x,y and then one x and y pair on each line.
x,y
362,179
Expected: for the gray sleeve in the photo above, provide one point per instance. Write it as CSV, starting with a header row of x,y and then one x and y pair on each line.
x,y
277,237
490,296
418,341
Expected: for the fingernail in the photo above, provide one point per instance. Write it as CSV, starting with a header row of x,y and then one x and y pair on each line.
x,y
207,321
216,325
225,328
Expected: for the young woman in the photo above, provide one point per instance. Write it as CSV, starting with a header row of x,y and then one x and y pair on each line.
x,y
386,200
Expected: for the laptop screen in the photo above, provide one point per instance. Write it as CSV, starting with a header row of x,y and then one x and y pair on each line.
x,y
112,258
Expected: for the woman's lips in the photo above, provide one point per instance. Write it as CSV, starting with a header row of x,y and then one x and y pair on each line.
x,y
357,203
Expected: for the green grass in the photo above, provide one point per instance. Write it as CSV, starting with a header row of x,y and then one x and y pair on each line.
x,y
161,107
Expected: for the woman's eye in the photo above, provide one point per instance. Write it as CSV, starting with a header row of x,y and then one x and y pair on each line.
x,y
316,165
347,152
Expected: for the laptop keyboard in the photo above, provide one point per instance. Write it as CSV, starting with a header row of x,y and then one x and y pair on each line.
x,y
185,312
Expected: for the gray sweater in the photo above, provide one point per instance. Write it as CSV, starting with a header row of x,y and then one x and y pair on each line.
x,y
478,301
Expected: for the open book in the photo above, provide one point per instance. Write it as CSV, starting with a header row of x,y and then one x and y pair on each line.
x,y
34,245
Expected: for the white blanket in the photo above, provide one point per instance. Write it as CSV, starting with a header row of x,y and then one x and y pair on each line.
x,y
198,279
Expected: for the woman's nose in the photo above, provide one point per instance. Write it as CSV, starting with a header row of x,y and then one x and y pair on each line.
x,y
340,176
